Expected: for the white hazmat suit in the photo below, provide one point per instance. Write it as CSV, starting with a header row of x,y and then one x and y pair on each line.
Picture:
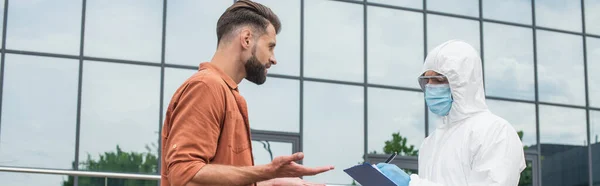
x,y
472,146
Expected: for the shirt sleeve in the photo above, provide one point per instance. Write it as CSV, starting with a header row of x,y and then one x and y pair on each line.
x,y
194,132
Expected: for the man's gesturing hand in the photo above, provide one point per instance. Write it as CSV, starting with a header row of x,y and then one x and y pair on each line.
x,y
285,166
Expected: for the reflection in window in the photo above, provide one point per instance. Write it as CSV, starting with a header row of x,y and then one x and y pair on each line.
x,y
10,179
517,11
563,139
191,36
391,112
287,51
174,78
118,116
418,4
2,17
461,7
593,62
323,135
558,14
44,26
592,16
264,151
520,115
333,40
39,114
394,47
508,61
273,105
595,142
129,30
560,68
441,29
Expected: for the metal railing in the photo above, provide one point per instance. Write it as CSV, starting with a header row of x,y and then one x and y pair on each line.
x,y
105,175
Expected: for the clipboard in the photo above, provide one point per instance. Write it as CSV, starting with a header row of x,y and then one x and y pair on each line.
x,y
367,175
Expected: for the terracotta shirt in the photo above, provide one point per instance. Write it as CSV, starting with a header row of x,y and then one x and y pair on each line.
x,y
206,123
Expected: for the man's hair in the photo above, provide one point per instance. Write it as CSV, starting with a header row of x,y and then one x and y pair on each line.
x,y
246,12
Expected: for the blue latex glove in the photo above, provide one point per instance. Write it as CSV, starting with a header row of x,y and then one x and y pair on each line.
x,y
394,173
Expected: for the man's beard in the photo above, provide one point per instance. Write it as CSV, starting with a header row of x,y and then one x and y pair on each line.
x,y
255,71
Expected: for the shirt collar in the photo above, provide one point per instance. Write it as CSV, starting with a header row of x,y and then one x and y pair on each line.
x,y
208,66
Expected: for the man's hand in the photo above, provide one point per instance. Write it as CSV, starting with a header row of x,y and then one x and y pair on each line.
x,y
288,182
285,166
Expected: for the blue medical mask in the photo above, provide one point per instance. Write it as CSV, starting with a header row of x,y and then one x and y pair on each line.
x,y
438,98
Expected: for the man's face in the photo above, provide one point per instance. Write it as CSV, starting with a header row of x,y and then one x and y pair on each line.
x,y
262,57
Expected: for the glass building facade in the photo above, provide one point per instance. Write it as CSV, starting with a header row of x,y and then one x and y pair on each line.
x,y
85,83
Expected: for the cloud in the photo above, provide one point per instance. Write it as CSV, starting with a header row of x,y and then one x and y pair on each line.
x,y
593,47
592,15
441,29
462,7
559,14
404,3
559,125
517,11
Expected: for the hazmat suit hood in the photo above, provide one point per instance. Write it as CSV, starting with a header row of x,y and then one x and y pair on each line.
x,y
461,65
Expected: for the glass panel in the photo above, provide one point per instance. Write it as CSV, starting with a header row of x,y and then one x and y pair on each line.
x,y
274,106
563,140
2,17
593,62
592,17
118,119
39,112
130,30
94,181
333,40
17,179
174,78
461,7
558,14
287,51
191,36
44,26
394,112
508,61
395,51
265,151
418,4
595,139
517,11
520,115
441,29
560,68
327,133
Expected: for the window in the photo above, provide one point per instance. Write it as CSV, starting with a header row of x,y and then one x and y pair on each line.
x,y
333,40
39,114
287,51
273,105
593,63
592,17
516,11
324,138
393,111
191,36
461,7
130,30
508,62
520,115
44,26
119,115
9,178
558,14
418,4
560,68
264,151
563,138
441,29
394,46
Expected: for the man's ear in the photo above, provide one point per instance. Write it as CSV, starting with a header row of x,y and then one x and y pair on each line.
x,y
246,38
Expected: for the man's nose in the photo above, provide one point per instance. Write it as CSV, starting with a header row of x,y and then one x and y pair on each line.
x,y
273,60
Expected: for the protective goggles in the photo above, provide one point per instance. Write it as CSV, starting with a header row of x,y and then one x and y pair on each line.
x,y
424,79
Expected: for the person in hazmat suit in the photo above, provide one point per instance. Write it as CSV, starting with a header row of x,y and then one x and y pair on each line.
x,y
472,146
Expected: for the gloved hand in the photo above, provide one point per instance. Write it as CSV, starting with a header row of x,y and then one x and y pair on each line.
x,y
394,173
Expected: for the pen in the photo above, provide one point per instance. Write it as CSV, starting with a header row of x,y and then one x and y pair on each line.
x,y
391,157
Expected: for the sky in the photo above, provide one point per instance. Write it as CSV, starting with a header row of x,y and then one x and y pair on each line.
x,y
40,93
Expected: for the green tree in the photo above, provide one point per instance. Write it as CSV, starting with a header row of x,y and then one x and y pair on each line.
x,y
398,144
526,175
119,161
